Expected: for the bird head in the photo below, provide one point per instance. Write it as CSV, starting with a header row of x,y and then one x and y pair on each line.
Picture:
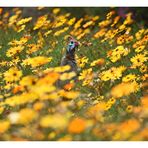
x,y
72,45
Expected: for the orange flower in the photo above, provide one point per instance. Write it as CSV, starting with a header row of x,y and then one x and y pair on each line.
x,y
124,89
69,86
18,89
145,101
129,126
77,126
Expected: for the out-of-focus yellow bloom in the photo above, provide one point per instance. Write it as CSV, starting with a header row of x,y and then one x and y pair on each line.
x,y
4,126
66,138
68,94
26,115
38,106
67,76
21,99
56,10
1,109
54,121
124,89
36,61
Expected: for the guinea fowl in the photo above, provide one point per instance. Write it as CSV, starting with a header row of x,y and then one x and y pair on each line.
x,y
69,57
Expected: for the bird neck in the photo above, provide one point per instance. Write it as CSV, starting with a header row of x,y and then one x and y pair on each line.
x,y
70,56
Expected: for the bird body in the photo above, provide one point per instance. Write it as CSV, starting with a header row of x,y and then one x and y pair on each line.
x,y
69,58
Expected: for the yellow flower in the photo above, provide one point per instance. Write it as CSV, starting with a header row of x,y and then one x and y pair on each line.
x,y
120,40
87,76
129,108
4,126
1,109
23,21
82,61
56,10
139,34
85,73
124,89
78,23
113,73
21,28
87,24
68,94
108,106
33,48
138,60
139,49
38,106
115,57
100,61
47,33
55,121
21,99
129,78
26,115
100,33
143,68
104,23
67,76
42,20
20,42
105,75
13,74
66,138
14,50
36,61
28,81
59,69
111,101
71,21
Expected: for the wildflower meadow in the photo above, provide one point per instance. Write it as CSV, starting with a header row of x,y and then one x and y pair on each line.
x,y
107,101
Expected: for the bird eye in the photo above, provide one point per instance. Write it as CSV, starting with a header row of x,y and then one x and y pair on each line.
x,y
71,42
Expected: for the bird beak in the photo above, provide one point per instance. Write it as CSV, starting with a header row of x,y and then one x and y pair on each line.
x,y
77,44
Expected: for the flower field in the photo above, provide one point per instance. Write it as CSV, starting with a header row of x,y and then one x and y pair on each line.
x,y
109,99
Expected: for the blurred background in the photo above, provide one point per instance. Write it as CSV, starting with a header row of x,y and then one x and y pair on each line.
x,y
139,13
